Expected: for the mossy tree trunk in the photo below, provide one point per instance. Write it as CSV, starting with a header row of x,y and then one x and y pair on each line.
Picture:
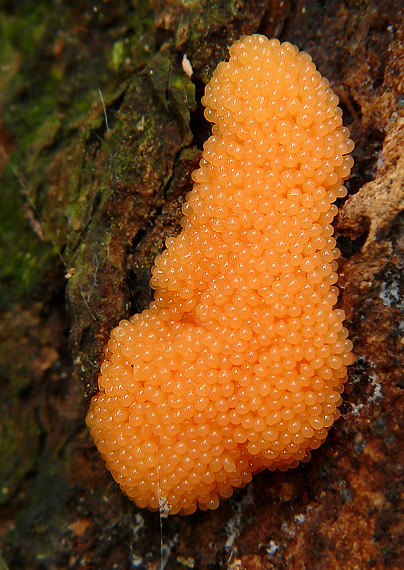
x,y
100,129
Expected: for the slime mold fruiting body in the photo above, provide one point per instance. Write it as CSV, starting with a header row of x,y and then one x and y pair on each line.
x,y
239,363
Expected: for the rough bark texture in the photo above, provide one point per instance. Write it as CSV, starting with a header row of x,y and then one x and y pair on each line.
x,y
100,129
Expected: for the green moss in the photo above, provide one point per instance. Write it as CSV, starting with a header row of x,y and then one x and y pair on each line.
x,y
45,76
135,49
118,54
23,256
19,32
199,19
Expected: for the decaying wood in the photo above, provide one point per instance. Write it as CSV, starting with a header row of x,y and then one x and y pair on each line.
x,y
100,130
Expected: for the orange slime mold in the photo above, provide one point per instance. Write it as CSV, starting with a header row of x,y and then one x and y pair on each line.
x,y
239,363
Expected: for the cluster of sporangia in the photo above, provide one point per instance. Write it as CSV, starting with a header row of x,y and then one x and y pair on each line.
x,y
239,362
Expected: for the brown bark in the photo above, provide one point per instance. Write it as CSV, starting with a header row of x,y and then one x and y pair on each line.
x,y
88,195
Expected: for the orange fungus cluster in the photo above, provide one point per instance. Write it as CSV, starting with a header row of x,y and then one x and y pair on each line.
x,y
239,363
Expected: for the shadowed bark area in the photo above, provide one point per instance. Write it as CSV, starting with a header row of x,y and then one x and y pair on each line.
x,y
100,129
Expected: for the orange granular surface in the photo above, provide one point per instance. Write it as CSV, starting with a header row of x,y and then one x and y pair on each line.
x,y
239,363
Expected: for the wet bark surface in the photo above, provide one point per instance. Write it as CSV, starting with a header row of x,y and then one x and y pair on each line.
x,y
100,129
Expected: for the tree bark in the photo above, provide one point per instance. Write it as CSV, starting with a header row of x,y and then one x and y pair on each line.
x,y
100,129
